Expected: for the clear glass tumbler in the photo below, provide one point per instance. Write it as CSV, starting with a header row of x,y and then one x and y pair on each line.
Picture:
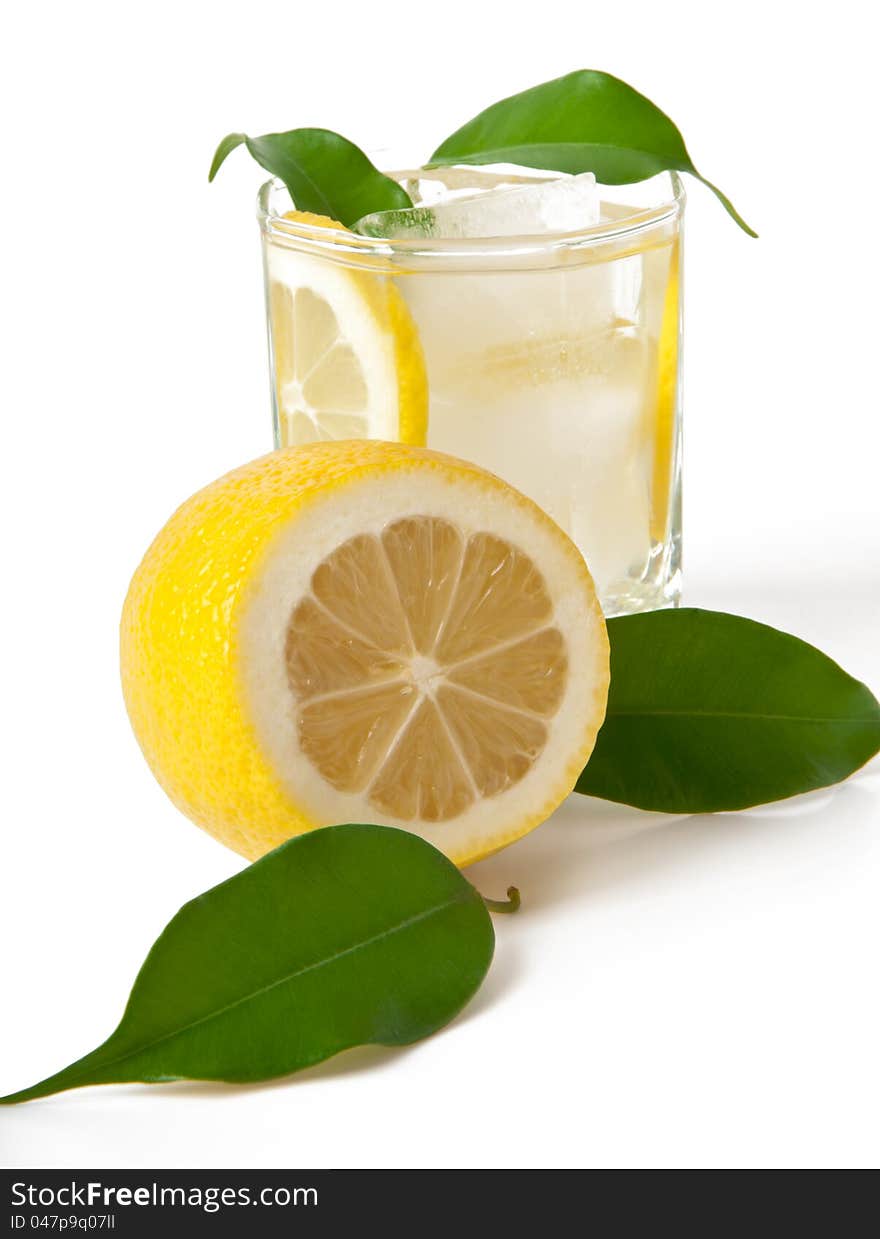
x,y
552,360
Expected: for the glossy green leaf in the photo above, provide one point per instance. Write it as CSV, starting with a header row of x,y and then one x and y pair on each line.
x,y
709,711
324,172
586,121
346,936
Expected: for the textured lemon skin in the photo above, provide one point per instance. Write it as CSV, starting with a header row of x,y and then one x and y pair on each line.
x,y
412,375
180,649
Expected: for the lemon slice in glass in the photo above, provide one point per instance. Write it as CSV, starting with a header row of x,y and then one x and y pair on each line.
x,y
346,357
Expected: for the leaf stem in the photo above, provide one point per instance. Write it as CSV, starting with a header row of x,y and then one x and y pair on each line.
x,y
510,904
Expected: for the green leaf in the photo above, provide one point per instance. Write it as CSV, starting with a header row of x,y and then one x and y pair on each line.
x,y
226,147
709,712
586,121
324,172
346,936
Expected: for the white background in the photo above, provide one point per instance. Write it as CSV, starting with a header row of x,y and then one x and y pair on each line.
x,y
675,992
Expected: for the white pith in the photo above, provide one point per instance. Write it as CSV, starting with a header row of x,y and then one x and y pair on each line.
x,y
369,505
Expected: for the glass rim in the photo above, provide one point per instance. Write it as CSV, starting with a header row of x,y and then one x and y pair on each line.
x,y
343,242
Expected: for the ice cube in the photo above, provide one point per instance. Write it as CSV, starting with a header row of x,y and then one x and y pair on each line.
x,y
568,204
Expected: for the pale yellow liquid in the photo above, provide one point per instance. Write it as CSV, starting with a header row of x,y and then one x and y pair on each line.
x,y
563,382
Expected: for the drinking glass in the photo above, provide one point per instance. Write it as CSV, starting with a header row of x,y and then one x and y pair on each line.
x,y
553,360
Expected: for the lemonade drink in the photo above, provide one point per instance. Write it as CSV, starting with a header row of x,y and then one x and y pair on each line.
x,y
550,359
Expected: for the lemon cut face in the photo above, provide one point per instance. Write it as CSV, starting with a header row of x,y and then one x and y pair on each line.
x,y
424,667
346,354
365,632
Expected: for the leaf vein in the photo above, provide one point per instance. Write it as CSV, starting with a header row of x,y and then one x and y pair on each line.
x,y
264,989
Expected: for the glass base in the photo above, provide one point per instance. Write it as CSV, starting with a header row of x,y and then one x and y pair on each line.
x,y
634,596
659,586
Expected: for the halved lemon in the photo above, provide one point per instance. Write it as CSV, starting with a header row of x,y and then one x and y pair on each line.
x,y
364,632
346,354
